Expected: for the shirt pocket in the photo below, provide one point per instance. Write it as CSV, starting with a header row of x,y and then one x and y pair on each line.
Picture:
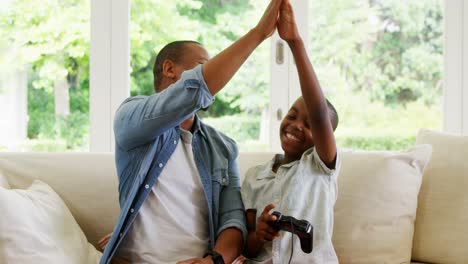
x,y
220,177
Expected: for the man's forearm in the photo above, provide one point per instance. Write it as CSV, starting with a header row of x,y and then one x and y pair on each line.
x,y
229,244
221,68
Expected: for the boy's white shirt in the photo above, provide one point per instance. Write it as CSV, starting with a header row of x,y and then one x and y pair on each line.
x,y
305,189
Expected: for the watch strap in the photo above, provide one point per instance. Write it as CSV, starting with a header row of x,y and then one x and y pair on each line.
x,y
217,258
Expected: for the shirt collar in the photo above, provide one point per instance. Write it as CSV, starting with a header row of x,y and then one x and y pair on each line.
x,y
197,126
271,163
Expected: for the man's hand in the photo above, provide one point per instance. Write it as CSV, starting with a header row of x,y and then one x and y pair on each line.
x,y
287,28
102,243
267,24
206,260
264,232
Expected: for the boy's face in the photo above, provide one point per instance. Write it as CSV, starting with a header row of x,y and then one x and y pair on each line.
x,y
295,134
194,54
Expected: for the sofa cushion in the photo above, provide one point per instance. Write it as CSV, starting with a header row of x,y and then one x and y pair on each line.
x,y
3,181
87,183
376,206
441,231
37,227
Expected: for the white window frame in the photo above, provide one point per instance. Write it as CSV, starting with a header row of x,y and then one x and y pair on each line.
x,y
110,68
284,81
456,67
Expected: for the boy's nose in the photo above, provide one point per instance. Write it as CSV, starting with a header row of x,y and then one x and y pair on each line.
x,y
298,127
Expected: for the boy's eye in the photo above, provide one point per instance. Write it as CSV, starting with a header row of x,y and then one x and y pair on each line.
x,y
290,117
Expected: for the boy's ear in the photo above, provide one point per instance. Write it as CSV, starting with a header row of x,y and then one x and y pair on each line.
x,y
168,69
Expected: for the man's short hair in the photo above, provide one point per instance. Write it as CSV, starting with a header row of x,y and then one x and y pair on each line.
x,y
173,51
333,115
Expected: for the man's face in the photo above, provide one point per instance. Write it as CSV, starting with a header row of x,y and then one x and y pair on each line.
x,y
295,134
194,55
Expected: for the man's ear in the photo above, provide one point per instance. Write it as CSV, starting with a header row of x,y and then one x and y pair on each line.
x,y
169,69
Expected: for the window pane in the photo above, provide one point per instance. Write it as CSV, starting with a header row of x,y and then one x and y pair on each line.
x,y
240,109
381,64
44,75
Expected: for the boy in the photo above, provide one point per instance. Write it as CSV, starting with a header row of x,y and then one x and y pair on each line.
x,y
303,182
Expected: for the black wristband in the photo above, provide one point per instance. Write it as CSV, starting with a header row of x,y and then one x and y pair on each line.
x,y
217,258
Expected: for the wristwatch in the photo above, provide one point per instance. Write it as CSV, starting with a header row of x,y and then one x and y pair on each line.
x,y
217,258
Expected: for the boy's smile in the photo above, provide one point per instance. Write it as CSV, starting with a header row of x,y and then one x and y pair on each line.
x,y
295,134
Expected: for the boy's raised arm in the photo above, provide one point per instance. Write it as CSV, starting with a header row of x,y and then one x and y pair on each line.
x,y
316,104
220,69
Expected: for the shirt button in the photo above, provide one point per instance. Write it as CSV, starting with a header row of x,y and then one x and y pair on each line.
x,y
160,165
146,186
120,235
224,180
132,210
175,142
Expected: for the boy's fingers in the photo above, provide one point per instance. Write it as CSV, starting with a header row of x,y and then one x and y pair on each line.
x,y
267,209
269,237
272,231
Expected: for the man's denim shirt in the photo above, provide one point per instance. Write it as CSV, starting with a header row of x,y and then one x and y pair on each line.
x,y
147,132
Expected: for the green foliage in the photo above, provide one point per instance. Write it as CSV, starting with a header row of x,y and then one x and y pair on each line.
x,y
240,128
377,142
390,49
69,133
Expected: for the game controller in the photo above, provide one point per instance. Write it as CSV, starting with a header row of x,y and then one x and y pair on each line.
x,y
302,228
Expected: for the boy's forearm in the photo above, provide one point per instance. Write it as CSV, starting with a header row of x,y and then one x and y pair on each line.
x,y
311,91
253,245
321,127
220,69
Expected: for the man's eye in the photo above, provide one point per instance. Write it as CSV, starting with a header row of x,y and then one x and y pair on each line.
x,y
291,117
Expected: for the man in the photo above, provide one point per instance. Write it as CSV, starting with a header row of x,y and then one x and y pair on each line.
x,y
178,178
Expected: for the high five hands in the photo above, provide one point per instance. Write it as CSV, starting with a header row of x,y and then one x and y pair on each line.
x,y
279,15
286,24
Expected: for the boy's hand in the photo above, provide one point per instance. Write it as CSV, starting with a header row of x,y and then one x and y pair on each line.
x,y
287,28
264,232
267,24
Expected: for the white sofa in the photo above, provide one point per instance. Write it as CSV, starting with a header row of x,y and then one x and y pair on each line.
x,y
374,215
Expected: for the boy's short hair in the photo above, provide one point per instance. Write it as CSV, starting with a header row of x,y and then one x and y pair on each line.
x,y
173,51
333,115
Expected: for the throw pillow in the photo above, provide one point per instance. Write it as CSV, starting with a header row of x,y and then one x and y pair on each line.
x,y
37,227
376,206
441,233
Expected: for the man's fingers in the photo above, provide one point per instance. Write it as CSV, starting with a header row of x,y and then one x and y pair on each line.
x,y
239,260
187,261
102,243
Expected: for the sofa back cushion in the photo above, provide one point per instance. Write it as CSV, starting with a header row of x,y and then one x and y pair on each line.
x,y
3,181
441,231
376,206
247,160
87,183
